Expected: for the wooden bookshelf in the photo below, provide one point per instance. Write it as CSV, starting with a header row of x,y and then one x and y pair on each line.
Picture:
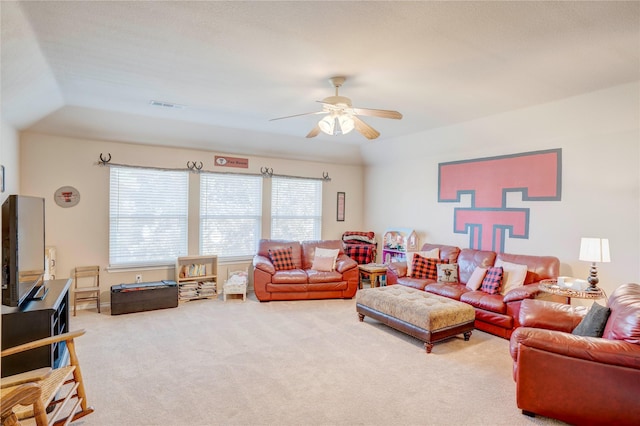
x,y
197,277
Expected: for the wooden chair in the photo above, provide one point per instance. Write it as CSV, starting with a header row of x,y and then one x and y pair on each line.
x,y
83,293
46,394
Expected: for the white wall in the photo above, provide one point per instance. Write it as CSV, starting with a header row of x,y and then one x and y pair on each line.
x,y
81,233
600,139
9,159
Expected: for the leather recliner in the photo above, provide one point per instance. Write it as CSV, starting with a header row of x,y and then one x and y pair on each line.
x,y
579,380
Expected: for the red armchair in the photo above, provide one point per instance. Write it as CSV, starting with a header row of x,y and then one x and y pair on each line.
x,y
579,380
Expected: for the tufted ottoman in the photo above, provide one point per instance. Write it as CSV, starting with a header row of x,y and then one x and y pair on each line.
x,y
425,316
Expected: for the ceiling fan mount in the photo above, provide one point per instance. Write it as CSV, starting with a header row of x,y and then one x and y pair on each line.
x,y
342,117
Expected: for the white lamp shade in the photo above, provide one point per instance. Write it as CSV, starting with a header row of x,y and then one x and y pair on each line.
x,y
346,124
594,250
334,124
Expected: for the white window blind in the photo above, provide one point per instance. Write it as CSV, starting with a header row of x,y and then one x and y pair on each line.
x,y
147,216
296,209
230,214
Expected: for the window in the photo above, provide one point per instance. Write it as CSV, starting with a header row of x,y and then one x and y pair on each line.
x,y
147,216
296,209
230,214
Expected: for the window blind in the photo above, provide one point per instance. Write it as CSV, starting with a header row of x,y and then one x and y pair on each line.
x,y
296,209
148,216
230,214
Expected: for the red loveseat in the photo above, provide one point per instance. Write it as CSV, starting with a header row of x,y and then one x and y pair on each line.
x,y
303,282
579,380
495,313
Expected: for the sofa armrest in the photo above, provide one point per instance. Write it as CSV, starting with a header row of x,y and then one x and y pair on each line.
x,y
594,349
264,264
344,263
550,315
398,268
527,291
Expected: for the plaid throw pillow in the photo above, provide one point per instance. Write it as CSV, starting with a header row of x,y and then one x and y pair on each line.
x,y
282,259
424,267
492,280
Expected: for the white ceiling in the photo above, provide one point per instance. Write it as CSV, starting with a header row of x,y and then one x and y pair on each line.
x,y
89,68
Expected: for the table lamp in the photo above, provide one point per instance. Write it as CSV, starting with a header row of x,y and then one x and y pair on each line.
x,y
594,250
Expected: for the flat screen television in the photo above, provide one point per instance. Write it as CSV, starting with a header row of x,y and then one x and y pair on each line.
x,y
23,262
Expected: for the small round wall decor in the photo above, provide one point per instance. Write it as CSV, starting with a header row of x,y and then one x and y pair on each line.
x,y
66,196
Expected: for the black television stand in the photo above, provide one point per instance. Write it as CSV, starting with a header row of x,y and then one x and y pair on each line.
x,y
33,320
40,293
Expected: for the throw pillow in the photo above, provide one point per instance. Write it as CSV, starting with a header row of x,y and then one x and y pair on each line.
x,y
475,280
332,253
592,325
322,263
431,254
425,267
492,280
447,272
282,259
513,275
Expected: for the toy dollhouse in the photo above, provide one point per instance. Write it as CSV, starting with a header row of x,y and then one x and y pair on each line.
x,y
397,242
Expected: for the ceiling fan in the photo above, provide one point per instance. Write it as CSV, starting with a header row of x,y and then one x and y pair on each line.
x,y
341,117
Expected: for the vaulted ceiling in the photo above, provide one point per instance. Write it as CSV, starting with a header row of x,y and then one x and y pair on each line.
x,y
90,68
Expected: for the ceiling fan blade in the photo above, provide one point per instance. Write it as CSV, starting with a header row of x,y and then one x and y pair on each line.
x,y
382,113
366,130
297,115
314,132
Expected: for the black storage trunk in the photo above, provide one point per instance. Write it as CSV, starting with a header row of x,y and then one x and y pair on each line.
x,y
127,298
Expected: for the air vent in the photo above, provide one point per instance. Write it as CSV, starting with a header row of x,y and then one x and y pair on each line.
x,y
167,105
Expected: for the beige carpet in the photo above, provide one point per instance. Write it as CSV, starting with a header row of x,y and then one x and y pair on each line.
x,y
211,362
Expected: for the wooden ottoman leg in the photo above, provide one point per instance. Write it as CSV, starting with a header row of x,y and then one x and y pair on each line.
x,y
467,336
428,346
360,317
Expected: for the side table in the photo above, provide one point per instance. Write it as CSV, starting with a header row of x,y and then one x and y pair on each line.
x,y
551,286
375,273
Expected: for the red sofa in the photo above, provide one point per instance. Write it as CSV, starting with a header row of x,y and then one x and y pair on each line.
x,y
303,282
579,380
495,313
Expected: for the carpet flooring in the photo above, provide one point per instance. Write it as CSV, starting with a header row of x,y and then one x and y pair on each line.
x,y
210,362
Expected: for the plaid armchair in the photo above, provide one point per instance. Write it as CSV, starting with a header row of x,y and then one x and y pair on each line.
x,y
360,246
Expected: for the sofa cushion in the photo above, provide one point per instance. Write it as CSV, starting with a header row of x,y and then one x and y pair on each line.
x,y
325,259
450,290
447,272
425,268
482,300
475,281
513,275
469,259
592,325
289,276
538,267
282,259
492,280
315,276
418,283
431,254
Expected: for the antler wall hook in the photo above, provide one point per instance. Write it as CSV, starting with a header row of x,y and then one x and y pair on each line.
x,y
103,160
266,171
193,166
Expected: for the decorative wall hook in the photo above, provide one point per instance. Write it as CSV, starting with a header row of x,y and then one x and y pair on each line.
x,y
266,171
103,160
325,176
193,166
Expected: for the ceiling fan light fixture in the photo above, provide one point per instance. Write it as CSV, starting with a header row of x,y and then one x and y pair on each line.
x,y
336,124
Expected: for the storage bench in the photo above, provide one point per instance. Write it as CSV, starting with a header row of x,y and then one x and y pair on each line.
x,y
138,297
